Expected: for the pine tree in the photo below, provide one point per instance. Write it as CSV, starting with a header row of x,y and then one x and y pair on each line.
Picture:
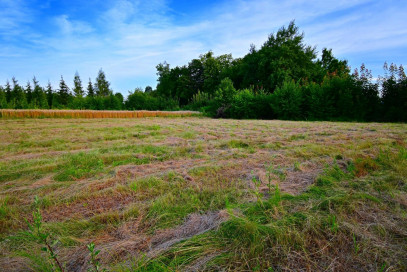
x,y
63,92
43,101
18,98
102,85
36,96
78,90
50,95
29,94
91,91
7,90
3,101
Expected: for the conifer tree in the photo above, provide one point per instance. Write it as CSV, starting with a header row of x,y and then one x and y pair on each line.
x,y
7,90
78,89
3,101
42,100
18,98
102,85
63,92
36,96
29,93
50,95
91,91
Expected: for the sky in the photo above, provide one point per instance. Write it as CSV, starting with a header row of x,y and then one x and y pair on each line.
x,y
128,38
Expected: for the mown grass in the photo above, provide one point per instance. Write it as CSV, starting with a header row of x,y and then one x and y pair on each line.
x,y
319,229
300,196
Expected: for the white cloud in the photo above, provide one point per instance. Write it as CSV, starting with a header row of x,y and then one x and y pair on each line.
x,y
13,15
69,27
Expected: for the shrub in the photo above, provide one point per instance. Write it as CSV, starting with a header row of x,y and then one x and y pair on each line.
x,y
286,101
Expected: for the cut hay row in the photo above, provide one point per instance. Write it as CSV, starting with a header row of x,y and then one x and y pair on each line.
x,y
6,113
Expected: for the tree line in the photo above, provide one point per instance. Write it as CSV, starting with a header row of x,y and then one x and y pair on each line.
x,y
283,79
94,96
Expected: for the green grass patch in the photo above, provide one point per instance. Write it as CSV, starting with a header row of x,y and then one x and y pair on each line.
x,y
78,166
238,144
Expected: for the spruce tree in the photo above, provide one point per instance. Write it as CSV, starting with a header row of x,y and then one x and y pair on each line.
x,y
63,92
91,91
102,85
3,101
42,100
50,95
18,98
36,96
78,90
7,90
29,94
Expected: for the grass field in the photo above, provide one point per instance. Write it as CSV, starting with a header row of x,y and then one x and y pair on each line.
x,y
192,194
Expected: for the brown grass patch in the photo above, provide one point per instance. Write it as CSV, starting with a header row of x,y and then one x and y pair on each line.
x,y
87,208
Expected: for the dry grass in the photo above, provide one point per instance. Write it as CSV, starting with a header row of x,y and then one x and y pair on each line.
x,y
149,192
6,113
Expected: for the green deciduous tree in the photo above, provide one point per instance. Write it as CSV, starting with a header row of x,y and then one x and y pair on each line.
x,y
282,57
394,93
225,92
148,89
287,100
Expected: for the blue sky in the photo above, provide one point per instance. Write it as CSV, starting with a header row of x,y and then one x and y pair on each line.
x,y
128,38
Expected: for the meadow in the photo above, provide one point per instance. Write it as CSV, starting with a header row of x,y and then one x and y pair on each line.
x,y
200,194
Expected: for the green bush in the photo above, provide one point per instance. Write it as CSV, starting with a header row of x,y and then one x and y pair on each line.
x,y
286,101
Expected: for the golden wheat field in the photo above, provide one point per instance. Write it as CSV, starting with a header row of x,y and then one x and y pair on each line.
x,y
7,113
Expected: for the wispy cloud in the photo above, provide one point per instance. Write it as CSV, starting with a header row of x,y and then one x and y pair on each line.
x,y
69,27
14,14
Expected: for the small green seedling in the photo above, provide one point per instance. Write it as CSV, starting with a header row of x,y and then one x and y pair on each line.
x,y
355,244
256,191
94,262
37,234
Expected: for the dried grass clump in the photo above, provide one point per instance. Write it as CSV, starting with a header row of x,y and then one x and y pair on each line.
x,y
6,113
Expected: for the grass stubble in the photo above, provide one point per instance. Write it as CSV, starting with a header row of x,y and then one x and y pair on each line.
x,y
192,194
